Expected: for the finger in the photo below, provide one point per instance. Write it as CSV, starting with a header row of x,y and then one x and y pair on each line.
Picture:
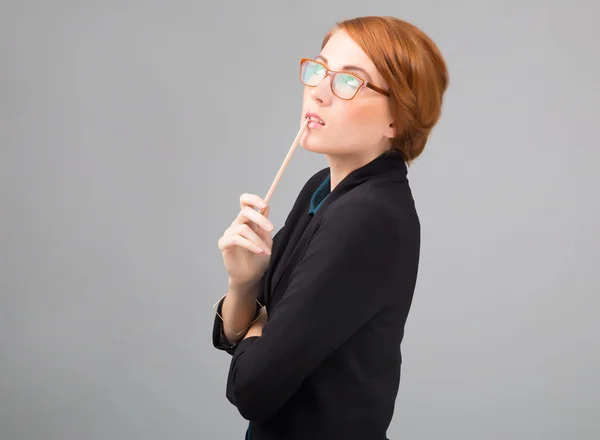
x,y
266,236
252,200
264,233
247,232
249,214
261,232
229,242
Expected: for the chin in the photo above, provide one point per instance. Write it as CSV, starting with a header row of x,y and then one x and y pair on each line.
x,y
329,150
320,148
316,145
312,147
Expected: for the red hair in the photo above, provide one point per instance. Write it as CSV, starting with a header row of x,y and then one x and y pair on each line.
x,y
414,69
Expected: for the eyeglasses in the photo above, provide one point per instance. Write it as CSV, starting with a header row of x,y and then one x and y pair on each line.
x,y
344,85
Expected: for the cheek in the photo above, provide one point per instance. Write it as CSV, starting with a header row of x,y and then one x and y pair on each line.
x,y
364,116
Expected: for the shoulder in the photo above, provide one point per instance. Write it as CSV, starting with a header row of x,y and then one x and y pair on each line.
x,y
387,208
370,237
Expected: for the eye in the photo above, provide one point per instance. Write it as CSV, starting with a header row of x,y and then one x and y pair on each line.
x,y
315,69
312,73
350,81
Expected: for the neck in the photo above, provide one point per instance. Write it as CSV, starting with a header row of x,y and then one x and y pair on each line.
x,y
342,165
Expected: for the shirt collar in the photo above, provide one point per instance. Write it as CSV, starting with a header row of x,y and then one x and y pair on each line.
x,y
319,195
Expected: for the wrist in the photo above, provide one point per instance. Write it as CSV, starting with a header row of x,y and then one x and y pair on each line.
x,y
243,289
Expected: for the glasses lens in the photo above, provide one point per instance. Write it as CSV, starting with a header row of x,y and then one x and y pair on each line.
x,y
311,73
346,85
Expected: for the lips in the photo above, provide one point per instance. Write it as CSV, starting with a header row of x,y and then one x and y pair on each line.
x,y
314,117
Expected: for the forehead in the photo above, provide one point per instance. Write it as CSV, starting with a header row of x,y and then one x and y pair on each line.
x,y
342,50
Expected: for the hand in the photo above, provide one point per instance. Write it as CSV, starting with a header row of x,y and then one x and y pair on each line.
x,y
257,326
246,244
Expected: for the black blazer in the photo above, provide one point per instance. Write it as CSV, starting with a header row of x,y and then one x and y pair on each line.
x,y
338,291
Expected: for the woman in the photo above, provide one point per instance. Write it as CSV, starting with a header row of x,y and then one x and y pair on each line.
x,y
337,280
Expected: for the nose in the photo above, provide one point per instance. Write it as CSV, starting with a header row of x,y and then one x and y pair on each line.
x,y
321,93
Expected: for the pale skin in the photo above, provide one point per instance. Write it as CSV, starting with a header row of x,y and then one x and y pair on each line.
x,y
246,248
355,132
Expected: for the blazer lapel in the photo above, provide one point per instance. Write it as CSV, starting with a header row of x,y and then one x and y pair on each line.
x,y
303,225
300,234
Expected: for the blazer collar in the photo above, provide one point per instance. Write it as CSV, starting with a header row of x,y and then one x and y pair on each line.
x,y
390,163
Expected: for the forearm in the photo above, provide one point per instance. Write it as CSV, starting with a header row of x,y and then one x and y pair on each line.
x,y
238,311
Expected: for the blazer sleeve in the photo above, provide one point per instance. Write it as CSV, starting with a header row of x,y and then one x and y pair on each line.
x,y
350,268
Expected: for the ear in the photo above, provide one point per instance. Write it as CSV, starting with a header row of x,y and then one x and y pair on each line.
x,y
390,131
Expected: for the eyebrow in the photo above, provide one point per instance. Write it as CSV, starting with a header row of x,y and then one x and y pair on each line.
x,y
349,67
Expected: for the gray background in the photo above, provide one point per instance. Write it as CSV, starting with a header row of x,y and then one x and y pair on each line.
x,y
128,130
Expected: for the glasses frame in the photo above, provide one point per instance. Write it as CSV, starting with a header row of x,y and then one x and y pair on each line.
x,y
333,73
